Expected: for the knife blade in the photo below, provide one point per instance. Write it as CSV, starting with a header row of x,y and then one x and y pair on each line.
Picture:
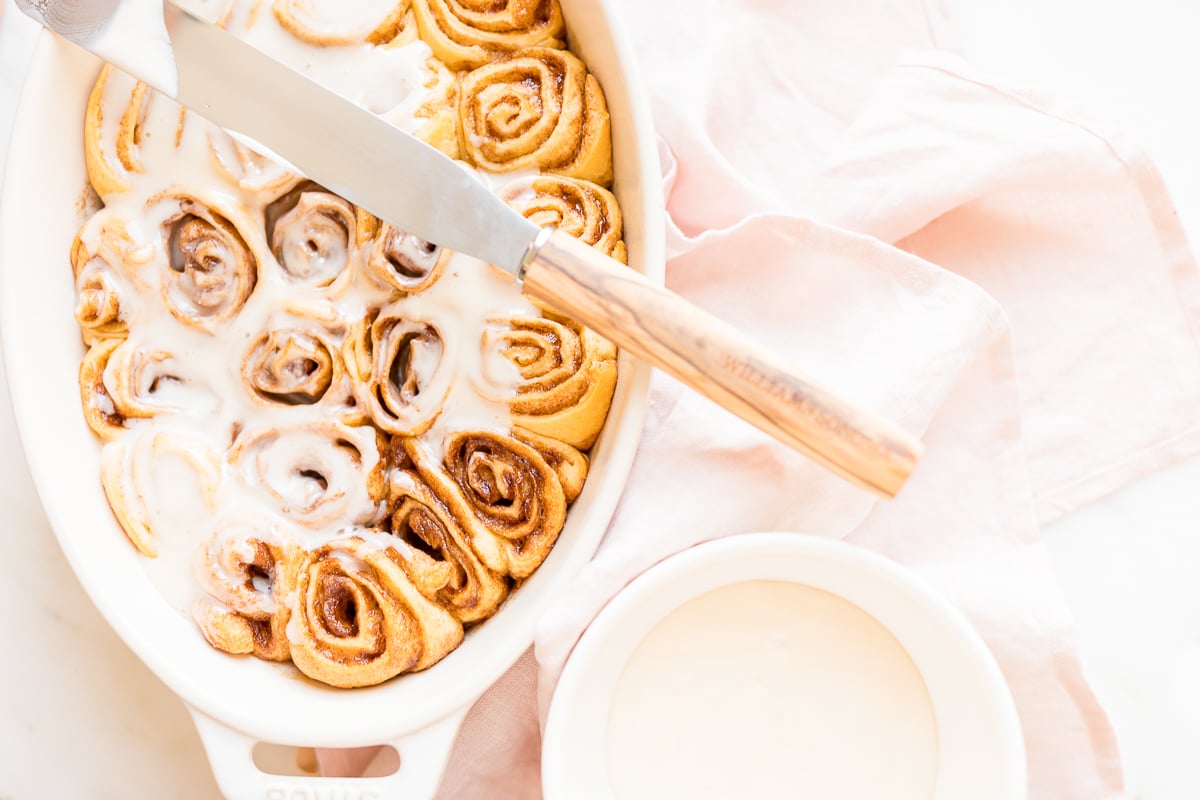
x,y
421,191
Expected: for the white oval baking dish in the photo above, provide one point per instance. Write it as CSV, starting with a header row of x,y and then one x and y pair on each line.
x,y
980,748
239,701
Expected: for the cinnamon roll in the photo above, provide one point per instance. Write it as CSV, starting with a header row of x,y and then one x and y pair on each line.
x,y
404,262
124,117
129,468
424,521
401,370
110,146
358,619
110,238
297,361
568,375
249,572
323,475
210,271
537,109
586,211
98,296
506,488
314,236
468,33
122,380
327,23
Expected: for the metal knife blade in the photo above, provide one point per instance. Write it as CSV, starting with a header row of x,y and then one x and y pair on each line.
x,y
345,148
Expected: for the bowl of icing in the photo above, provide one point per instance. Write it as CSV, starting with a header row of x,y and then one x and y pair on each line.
x,y
781,665
238,702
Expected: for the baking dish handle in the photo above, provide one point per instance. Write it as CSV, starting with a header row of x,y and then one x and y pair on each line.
x,y
423,756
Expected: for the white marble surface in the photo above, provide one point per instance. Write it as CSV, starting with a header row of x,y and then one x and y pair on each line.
x,y
80,717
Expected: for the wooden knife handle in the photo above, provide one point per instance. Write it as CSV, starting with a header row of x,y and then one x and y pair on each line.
x,y
719,361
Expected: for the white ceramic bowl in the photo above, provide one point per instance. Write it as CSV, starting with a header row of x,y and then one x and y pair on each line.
x,y
238,701
980,750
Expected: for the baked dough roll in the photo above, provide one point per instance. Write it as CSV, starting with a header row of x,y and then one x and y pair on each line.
x,y
468,33
335,22
586,211
129,467
424,521
297,361
510,490
538,109
358,619
323,475
399,260
122,380
567,376
209,271
249,573
314,237
97,291
123,117
401,370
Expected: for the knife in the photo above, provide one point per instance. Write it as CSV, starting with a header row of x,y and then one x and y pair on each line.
x,y
346,148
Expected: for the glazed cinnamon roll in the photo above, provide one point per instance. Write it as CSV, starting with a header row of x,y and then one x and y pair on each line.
x,y
568,375
98,295
249,572
334,22
401,370
110,266
210,271
586,211
323,475
124,117
538,109
314,236
122,380
467,33
404,262
297,361
359,619
130,466
423,520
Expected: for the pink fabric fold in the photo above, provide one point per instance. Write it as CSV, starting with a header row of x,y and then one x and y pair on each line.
x,y
966,258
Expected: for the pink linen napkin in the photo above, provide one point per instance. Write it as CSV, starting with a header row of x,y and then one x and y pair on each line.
x,y
966,258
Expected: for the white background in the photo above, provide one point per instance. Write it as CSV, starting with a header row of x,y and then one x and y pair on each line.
x,y
80,717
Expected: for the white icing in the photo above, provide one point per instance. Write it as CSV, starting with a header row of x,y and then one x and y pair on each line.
x,y
388,81
104,403
308,487
771,689
341,21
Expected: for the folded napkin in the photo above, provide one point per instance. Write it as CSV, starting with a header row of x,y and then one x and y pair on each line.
x,y
965,258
